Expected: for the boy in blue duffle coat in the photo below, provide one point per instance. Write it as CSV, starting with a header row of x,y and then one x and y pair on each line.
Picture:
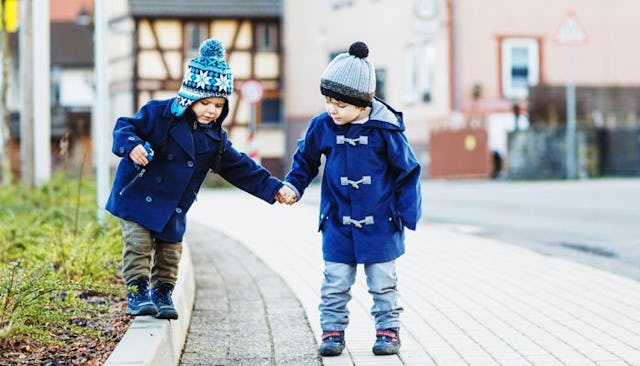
x,y
168,147
370,193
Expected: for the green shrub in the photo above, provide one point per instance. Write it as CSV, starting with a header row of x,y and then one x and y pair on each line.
x,y
53,252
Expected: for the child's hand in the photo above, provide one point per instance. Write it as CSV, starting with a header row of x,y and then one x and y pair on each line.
x,y
139,155
286,196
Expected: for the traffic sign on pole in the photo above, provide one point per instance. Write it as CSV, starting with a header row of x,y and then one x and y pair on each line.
x,y
252,91
571,32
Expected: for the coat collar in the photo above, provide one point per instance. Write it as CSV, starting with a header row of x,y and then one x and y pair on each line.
x,y
180,129
182,134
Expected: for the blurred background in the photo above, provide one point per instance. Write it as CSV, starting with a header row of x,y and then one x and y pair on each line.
x,y
528,89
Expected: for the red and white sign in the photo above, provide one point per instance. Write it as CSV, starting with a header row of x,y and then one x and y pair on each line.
x,y
571,32
252,91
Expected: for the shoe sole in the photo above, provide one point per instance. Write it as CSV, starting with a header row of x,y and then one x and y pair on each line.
x,y
171,314
330,352
149,309
386,351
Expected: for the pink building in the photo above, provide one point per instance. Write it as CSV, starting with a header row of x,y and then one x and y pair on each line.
x,y
450,64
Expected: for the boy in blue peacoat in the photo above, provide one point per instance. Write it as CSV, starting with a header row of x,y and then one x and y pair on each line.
x,y
151,194
370,192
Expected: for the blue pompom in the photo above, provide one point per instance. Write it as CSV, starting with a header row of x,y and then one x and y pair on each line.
x,y
212,48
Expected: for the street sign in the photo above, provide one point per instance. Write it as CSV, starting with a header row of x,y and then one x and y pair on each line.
x,y
571,32
252,91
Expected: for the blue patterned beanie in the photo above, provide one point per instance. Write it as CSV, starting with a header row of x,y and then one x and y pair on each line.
x,y
350,77
208,75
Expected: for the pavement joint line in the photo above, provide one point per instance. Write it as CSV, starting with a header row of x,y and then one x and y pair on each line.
x,y
520,305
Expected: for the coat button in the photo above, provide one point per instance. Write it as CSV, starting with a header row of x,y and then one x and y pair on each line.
x,y
190,164
148,199
159,179
170,157
121,150
178,210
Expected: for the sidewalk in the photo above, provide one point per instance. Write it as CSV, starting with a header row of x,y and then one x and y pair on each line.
x,y
244,314
468,300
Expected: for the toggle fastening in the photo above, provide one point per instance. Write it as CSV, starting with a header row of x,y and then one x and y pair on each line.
x,y
345,181
347,220
340,139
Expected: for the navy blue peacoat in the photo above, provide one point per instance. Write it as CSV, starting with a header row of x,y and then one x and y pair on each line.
x,y
370,185
159,195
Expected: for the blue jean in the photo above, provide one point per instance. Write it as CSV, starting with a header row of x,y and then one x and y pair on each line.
x,y
336,293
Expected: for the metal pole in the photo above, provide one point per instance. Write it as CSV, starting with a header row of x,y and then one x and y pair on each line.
x,y
100,107
41,103
253,151
571,117
26,94
5,162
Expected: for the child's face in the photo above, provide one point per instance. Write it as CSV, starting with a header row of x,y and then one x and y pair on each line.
x,y
343,113
208,109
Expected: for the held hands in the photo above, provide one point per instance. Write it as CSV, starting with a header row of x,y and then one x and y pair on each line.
x,y
286,196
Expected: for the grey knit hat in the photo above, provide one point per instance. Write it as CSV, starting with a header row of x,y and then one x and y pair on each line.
x,y
350,77
208,75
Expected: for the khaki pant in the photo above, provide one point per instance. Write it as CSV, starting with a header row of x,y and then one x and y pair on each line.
x,y
144,256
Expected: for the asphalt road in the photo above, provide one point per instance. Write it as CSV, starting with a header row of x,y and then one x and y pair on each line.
x,y
595,222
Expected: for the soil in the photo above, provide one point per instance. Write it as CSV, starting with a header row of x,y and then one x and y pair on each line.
x,y
74,349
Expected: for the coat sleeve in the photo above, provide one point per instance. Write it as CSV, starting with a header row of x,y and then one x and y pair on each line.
x,y
407,170
129,132
306,160
243,172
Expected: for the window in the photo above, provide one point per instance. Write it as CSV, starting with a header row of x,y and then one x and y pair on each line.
x,y
271,111
426,72
195,33
520,66
381,85
266,37
410,84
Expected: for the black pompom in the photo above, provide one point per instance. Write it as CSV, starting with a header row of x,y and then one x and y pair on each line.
x,y
359,49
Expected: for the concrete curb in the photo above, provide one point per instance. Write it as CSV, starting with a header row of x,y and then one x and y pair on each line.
x,y
157,342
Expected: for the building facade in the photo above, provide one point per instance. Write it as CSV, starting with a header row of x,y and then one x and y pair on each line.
x,y
470,71
151,41
408,44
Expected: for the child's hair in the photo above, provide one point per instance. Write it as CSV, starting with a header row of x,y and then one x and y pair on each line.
x,y
350,77
208,75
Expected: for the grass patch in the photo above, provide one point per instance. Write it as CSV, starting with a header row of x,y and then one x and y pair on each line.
x,y
54,258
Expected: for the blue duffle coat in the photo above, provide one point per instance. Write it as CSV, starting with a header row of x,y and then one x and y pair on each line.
x,y
159,196
370,185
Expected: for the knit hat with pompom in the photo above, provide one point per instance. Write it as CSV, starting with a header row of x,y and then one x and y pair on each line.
x,y
350,77
208,75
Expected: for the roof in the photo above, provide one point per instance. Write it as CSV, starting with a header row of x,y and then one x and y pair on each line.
x,y
206,8
71,44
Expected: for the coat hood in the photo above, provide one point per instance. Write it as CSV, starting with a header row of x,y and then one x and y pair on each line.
x,y
384,116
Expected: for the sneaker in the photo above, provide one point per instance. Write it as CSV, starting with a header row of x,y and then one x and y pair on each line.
x,y
161,297
387,341
332,343
138,301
